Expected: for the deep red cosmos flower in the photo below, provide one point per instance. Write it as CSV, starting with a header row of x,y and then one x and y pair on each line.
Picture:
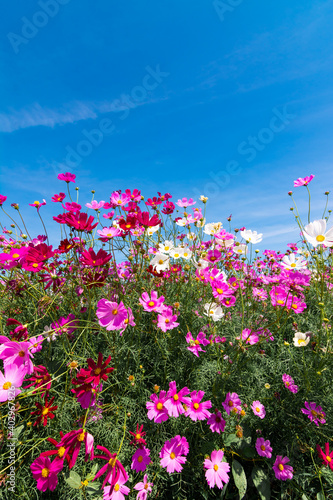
x,y
45,411
138,436
77,220
90,258
96,371
128,224
38,254
40,377
60,451
112,467
58,197
146,221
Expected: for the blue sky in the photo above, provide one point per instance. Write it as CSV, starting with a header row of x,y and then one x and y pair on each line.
x,y
231,99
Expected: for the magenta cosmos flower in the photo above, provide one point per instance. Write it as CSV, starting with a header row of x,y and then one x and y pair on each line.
x,y
216,422
46,472
198,410
73,440
263,448
18,354
303,181
195,344
143,488
157,409
289,383
11,381
95,205
141,459
315,413
326,457
281,470
111,315
67,177
153,303
232,403
217,471
167,320
258,409
176,399
171,456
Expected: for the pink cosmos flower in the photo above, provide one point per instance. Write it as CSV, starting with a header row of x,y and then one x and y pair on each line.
x,y
2,199
175,401
17,353
171,456
95,205
197,410
281,470
58,198
118,200
118,490
303,181
289,383
258,409
67,177
109,215
141,459
216,422
184,202
326,457
232,403
108,232
71,206
143,488
11,380
157,409
153,303
263,448
196,343
36,343
249,336
37,204
167,320
315,413
296,304
46,472
217,471
111,315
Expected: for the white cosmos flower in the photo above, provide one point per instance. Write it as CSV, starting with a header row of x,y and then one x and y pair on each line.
x,y
292,261
191,236
315,233
160,262
300,339
203,198
201,264
225,243
240,249
213,228
213,311
151,230
176,252
187,254
251,236
166,246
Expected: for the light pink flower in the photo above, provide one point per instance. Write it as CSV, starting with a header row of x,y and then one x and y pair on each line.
x,y
143,488
17,353
95,205
157,409
111,315
167,320
118,490
289,383
152,303
171,456
281,470
217,471
232,403
258,409
184,202
11,381
303,181
196,343
108,232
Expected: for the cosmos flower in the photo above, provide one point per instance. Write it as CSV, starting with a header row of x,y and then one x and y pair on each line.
x,y
217,470
263,447
281,470
46,472
315,413
258,409
197,409
316,233
303,181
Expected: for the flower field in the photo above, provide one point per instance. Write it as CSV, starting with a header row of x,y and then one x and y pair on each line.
x,y
151,353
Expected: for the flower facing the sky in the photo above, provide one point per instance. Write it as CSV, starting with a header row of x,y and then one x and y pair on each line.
x,y
316,233
326,456
152,303
156,408
217,470
251,236
263,448
301,339
197,409
293,262
67,177
303,181
46,472
281,469
315,413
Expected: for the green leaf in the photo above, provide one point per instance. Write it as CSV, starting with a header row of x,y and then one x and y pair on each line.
x,y
74,480
92,488
239,478
231,439
261,482
92,473
17,431
320,495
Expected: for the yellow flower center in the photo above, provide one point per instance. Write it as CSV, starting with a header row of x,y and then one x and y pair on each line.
x,y
114,312
140,458
45,472
151,303
293,264
21,354
320,238
109,235
216,467
172,455
281,468
167,321
45,411
166,248
159,406
230,403
6,385
146,486
81,436
15,255
301,341
196,406
280,301
328,458
314,413
35,264
175,397
219,291
196,342
262,447
112,462
160,261
257,409
137,436
98,371
294,306
61,451
116,487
